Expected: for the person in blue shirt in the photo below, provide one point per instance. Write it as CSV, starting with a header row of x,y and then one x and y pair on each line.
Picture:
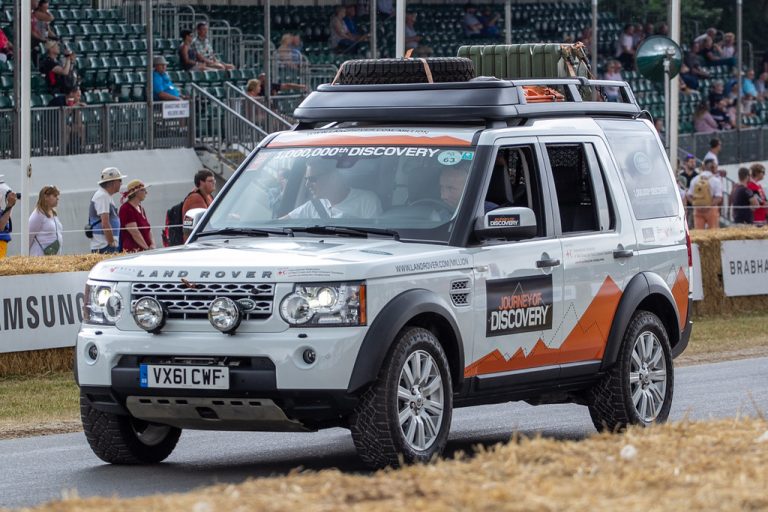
x,y
162,87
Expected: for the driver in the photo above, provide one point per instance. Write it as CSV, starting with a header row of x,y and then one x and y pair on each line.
x,y
331,197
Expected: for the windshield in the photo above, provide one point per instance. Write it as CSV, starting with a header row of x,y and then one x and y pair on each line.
x,y
406,192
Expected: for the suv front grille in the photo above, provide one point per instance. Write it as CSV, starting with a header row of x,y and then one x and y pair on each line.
x,y
185,302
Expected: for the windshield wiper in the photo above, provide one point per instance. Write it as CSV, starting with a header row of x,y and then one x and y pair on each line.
x,y
247,232
348,230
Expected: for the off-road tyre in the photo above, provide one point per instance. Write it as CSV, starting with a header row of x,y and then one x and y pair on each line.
x,y
405,71
375,425
114,439
611,403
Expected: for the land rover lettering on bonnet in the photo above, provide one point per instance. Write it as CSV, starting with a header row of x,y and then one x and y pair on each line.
x,y
421,240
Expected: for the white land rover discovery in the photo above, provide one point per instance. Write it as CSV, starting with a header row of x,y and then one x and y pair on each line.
x,y
405,250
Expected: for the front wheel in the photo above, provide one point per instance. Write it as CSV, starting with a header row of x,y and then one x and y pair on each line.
x,y
406,414
124,439
638,389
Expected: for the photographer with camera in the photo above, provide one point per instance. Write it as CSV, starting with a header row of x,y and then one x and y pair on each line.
x,y
60,76
8,199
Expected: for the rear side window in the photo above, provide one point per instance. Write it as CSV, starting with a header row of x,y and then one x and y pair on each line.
x,y
652,192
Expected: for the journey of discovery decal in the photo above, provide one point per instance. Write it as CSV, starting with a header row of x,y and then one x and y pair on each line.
x,y
519,305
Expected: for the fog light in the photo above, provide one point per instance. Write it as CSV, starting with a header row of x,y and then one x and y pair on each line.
x,y
224,314
309,356
93,352
149,314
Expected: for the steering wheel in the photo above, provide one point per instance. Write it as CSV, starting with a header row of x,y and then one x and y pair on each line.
x,y
438,204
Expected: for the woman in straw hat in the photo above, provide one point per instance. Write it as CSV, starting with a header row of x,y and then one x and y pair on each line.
x,y
136,235
45,231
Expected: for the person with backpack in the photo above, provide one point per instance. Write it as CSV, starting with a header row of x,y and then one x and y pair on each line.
x,y
200,197
103,217
705,194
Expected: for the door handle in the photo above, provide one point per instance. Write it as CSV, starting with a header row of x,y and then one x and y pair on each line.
x,y
623,253
552,262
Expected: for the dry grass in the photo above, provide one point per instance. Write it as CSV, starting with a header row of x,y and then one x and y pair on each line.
x,y
19,265
37,362
703,466
34,405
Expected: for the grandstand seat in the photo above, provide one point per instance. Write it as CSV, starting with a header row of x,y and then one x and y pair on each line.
x,y
38,84
77,32
46,98
105,97
6,102
91,98
36,100
138,93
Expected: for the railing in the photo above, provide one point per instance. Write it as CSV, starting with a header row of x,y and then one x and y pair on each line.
x,y
252,51
746,145
223,130
58,131
254,110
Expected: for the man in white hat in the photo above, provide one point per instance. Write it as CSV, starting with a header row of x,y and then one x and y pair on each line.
x,y
7,201
162,86
102,212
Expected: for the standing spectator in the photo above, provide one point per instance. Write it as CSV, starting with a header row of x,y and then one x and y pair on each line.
x,y
706,196
58,75
688,172
6,48
102,213
46,236
757,173
7,201
743,199
188,55
728,46
715,146
703,122
489,19
162,87
413,39
75,128
205,53
612,72
470,23
201,196
136,234
625,49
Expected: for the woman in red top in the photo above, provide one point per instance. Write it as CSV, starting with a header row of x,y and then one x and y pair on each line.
x,y
135,235
757,172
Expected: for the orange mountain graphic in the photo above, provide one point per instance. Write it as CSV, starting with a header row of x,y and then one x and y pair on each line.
x,y
585,342
680,294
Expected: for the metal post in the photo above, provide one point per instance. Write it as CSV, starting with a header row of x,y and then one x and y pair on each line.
x,y
25,123
150,81
668,103
374,30
508,21
740,69
400,29
267,57
593,59
674,89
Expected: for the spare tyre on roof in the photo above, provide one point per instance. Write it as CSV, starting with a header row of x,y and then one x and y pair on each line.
x,y
405,71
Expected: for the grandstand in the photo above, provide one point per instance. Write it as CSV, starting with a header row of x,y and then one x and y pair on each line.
x,y
112,56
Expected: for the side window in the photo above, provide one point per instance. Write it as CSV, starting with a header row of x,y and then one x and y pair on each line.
x,y
647,177
582,204
515,182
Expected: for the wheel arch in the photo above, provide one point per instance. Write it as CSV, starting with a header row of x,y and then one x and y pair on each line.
x,y
646,291
419,308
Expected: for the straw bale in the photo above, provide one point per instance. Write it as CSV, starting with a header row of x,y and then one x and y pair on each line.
x,y
21,265
37,362
715,302
692,466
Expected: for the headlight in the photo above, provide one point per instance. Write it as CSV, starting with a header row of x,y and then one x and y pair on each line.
x,y
224,314
103,304
149,314
326,304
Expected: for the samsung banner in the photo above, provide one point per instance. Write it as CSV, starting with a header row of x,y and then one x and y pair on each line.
x,y
745,267
41,310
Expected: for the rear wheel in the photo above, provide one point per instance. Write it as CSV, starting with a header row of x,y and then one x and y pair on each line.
x,y
405,71
638,389
406,414
124,439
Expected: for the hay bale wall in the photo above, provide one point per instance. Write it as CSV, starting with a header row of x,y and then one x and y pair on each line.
x,y
715,302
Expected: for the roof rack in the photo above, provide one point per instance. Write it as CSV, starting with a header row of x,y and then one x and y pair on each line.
x,y
484,99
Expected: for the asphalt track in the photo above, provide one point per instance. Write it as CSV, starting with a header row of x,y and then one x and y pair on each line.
x,y
39,469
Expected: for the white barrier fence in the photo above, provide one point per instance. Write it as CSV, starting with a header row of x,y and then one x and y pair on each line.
x,y
41,311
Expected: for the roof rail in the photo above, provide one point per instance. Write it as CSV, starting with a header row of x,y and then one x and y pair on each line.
x,y
479,100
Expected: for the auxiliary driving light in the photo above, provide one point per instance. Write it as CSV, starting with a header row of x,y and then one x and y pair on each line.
x,y
225,315
149,314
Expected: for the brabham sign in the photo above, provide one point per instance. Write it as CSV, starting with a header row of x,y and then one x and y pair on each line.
x,y
40,311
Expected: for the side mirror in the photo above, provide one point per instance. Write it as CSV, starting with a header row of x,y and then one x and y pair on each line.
x,y
512,223
192,219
